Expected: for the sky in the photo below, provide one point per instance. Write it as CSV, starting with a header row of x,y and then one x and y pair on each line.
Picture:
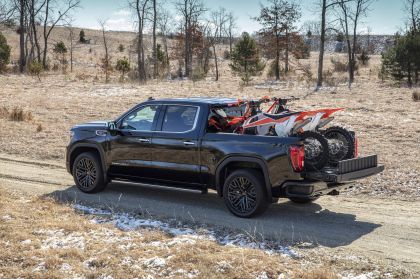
x,y
384,17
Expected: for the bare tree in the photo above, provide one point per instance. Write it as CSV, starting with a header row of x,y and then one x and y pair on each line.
x,y
216,28
154,51
105,62
278,21
413,9
163,22
349,14
34,10
326,5
22,26
231,26
7,10
141,9
191,10
52,18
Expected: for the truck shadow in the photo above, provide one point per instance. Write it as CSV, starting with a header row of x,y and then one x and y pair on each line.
x,y
285,221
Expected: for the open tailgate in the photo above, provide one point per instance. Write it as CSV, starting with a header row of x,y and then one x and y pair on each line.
x,y
347,170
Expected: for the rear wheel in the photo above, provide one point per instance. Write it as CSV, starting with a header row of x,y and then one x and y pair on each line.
x,y
88,174
316,150
341,143
303,200
244,193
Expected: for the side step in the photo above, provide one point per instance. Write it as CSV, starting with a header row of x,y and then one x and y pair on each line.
x,y
193,189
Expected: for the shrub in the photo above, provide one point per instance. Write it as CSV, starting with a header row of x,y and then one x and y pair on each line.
x,y
10,23
226,54
198,74
35,68
121,48
364,58
122,66
339,66
16,114
416,96
82,38
4,53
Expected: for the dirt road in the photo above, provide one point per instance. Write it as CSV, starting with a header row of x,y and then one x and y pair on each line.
x,y
389,230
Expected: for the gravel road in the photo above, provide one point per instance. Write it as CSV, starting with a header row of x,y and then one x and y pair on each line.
x,y
384,229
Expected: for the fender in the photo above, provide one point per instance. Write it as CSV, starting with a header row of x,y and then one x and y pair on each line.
x,y
95,146
257,160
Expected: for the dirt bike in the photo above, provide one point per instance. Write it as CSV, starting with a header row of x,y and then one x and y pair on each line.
x,y
321,146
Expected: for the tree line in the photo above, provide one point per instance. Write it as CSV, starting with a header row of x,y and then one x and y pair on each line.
x,y
198,31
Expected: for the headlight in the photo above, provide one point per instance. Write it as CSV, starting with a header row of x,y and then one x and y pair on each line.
x,y
71,134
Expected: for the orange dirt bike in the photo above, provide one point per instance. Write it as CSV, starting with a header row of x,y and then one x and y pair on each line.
x,y
321,146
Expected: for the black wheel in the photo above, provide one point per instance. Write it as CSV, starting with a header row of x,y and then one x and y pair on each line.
x,y
316,150
244,193
341,143
303,200
88,174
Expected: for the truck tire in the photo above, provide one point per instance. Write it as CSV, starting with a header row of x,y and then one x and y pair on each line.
x,y
303,200
245,193
341,135
88,174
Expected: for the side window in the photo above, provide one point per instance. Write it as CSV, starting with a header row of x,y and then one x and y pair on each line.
x,y
179,119
141,119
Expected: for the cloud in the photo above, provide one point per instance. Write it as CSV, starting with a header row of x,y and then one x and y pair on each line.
x,y
122,13
119,24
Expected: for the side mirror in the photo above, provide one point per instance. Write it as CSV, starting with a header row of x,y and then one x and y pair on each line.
x,y
112,127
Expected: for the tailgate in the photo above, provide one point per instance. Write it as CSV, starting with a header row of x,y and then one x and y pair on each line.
x,y
347,170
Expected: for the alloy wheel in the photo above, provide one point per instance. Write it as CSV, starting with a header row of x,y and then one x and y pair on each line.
x,y
242,194
86,173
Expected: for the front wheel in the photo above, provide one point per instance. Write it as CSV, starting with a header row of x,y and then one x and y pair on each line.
x,y
88,174
244,193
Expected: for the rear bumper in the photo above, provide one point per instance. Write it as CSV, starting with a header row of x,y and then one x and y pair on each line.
x,y
307,189
331,176
331,180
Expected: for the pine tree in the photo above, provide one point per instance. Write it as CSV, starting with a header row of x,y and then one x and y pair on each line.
x,y
246,59
4,52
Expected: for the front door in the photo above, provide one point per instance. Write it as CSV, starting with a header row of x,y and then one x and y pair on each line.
x,y
131,151
175,145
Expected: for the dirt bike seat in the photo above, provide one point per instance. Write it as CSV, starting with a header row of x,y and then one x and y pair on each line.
x,y
280,115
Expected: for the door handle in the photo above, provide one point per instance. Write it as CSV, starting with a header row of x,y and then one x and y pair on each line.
x,y
188,143
144,140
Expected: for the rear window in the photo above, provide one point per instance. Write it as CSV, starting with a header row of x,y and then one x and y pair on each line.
x,y
179,118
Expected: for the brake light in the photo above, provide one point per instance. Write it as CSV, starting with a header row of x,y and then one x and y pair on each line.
x,y
297,157
356,147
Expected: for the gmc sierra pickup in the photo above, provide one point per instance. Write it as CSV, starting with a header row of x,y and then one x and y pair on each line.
x,y
168,142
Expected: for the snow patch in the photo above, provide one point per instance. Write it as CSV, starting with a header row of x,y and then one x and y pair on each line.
x,y
155,262
58,239
130,222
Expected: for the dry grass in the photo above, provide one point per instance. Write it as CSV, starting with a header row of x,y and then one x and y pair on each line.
x,y
15,114
43,239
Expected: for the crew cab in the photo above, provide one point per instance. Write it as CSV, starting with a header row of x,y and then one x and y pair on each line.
x,y
168,142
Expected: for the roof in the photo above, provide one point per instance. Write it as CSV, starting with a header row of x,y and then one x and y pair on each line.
x,y
201,100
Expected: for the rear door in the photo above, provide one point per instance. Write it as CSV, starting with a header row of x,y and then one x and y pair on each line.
x,y
175,145
131,151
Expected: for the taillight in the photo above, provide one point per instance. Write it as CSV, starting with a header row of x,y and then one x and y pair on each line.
x,y
297,157
356,147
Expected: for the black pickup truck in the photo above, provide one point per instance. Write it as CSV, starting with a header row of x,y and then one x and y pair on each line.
x,y
168,142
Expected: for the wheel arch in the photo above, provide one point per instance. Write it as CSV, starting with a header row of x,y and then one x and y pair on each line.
x,y
241,162
80,148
